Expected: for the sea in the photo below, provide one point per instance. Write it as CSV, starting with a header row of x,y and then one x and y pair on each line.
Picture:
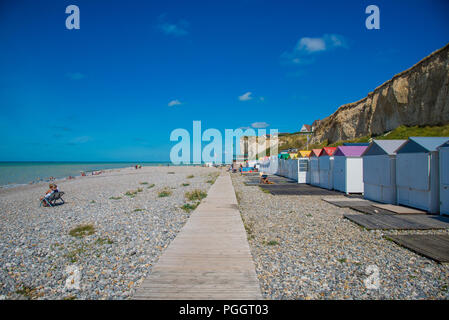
x,y
17,173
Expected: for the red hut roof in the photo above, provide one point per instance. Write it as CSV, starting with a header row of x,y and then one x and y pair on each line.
x,y
327,151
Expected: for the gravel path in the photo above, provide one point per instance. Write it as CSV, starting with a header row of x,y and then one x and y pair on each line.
x,y
303,248
39,259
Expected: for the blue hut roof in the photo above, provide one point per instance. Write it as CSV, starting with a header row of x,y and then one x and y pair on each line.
x,y
444,145
422,144
382,147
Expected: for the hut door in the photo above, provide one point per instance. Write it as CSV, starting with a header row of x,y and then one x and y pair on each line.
x,y
444,176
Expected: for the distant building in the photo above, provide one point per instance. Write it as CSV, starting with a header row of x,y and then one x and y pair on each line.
x,y
306,129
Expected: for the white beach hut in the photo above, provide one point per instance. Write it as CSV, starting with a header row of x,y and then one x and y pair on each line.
x,y
293,169
348,169
303,170
444,178
417,173
289,168
379,170
304,166
314,167
326,166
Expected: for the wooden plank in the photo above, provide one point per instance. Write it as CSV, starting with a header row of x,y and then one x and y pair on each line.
x,y
399,209
370,210
297,189
435,247
435,221
395,222
210,258
341,198
351,203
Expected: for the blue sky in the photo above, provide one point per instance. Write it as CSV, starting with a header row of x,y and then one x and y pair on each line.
x,y
136,70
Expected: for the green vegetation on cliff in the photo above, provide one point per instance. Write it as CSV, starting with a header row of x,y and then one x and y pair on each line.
x,y
298,140
401,132
404,132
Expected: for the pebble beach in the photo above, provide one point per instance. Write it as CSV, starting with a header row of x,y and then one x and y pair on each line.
x,y
102,242
113,227
303,248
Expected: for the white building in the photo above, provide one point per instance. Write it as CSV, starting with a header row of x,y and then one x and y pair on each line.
x,y
379,170
314,167
348,169
417,173
303,170
326,167
306,129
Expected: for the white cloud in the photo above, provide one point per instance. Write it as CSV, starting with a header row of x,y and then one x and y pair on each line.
x,y
307,46
259,125
179,28
326,42
337,41
174,103
173,29
246,96
311,44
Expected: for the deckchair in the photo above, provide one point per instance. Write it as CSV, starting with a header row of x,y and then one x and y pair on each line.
x,y
51,200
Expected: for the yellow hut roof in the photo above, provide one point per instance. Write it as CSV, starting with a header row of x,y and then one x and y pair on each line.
x,y
305,153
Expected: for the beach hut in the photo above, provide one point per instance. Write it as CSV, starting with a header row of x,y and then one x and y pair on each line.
x,y
379,170
293,169
444,178
314,167
304,166
348,169
417,173
326,165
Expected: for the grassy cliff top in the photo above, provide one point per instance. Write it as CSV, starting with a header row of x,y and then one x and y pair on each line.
x,y
296,140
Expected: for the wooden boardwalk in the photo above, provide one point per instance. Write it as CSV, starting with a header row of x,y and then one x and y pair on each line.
x,y
210,258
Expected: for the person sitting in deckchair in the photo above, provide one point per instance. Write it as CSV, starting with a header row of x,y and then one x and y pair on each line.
x,y
264,179
50,195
